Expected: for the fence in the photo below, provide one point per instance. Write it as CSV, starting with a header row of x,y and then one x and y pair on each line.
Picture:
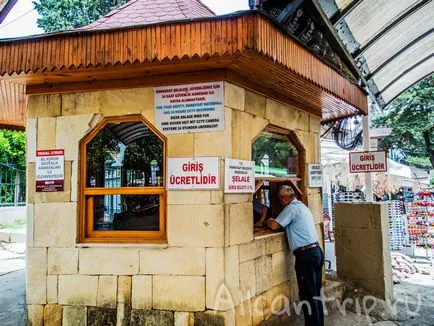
x,y
12,186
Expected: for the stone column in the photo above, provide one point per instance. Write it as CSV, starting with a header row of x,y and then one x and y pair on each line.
x,y
362,247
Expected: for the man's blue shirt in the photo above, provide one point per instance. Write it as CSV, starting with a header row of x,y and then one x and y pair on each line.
x,y
297,220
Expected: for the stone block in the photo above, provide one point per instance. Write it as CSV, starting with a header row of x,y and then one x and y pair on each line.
x,y
303,121
62,261
152,318
52,315
74,316
255,104
123,314
279,268
209,318
109,261
30,222
44,106
263,272
179,293
315,206
124,289
74,181
258,304
184,319
243,314
35,315
212,144
215,279
252,250
275,243
280,114
46,137
31,136
232,273
55,224
258,125
52,289
36,287
241,135
78,290
234,96
237,198
80,103
173,261
70,130
195,225
107,291
142,292
193,197
48,197
180,145
101,316
248,279
217,197
360,215
240,223
126,101
314,124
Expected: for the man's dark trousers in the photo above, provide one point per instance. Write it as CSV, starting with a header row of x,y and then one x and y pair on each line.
x,y
308,267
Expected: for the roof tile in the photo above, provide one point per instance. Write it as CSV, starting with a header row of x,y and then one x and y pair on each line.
x,y
145,12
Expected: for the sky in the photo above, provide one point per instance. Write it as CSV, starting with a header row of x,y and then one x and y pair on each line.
x,y
21,21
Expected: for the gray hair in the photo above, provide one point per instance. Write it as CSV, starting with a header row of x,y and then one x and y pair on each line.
x,y
287,191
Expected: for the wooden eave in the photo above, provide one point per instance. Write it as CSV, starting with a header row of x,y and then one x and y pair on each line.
x,y
246,48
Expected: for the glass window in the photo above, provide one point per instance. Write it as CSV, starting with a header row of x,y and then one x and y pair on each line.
x,y
123,196
275,156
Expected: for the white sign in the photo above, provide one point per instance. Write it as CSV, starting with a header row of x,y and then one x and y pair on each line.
x,y
187,173
50,170
366,162
380,132
239,176
315,175
190,108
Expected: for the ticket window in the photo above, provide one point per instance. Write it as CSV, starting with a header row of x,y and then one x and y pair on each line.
x,y
278,162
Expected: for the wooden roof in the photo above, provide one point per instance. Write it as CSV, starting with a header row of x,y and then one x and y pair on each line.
x,y
246,48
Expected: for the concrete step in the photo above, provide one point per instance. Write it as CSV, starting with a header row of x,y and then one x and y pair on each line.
x,y
13,235
334,294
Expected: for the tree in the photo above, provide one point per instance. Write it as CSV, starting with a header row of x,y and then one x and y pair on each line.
x,y
410,115
13,148
57,15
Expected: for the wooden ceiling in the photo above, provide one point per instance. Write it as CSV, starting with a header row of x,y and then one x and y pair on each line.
x,y
246,48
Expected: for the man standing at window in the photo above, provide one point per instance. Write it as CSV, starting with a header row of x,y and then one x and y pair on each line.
x,y
297,220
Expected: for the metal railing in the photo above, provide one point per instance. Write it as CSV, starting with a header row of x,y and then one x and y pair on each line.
x,y
12,186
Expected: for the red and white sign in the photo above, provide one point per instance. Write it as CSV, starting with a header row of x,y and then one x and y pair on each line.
x,y
239,176
366,162
50,167
190,108
191,173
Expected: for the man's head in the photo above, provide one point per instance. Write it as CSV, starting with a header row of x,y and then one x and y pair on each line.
x,y
286,195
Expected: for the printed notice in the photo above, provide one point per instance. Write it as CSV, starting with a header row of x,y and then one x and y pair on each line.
x,y
190,108
50,170
239,176
368,162
315,175
189,173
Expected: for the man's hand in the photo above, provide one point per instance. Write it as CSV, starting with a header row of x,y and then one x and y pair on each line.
x,y
273,225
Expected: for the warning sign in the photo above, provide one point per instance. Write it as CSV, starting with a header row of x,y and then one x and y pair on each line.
x,y
190,108
188,173
367,162
50,167
239,176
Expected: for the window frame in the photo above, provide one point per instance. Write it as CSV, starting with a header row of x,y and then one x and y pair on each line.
x,y
86,194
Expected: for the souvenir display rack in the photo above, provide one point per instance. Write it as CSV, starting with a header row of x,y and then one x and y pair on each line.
x,y
397,224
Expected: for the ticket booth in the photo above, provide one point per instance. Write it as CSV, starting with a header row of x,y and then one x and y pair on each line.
x,y
147,118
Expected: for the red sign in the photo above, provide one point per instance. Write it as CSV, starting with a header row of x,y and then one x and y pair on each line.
x,y
50,169
367,162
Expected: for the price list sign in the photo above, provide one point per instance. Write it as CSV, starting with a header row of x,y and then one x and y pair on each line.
x,y
50,170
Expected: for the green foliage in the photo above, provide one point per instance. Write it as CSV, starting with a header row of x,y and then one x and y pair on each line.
x,y
57,15
410,114
13,148
420,162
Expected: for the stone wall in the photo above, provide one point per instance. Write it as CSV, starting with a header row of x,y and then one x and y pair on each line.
x,y
362,246
211,251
